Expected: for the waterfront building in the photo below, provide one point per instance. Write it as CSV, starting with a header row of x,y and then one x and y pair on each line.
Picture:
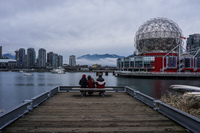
x,y
60,61
42,57
22,58
96,66
159,44
31,57
50,59
7,63
193,45
72,60
0,52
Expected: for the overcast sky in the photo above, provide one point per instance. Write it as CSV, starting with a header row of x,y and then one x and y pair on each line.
x,y
78,27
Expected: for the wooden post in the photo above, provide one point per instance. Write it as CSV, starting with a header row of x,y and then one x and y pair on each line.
x,y
106,73
113,73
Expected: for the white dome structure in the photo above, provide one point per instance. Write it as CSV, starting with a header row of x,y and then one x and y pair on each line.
x,y
158,35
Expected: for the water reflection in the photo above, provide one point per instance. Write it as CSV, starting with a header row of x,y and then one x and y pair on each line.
x,y
153,87
15,88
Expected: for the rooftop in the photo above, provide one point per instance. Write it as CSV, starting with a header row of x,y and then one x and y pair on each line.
x,y
7,60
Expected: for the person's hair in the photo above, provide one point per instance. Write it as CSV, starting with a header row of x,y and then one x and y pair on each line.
x,y
89,77
83,75
100,74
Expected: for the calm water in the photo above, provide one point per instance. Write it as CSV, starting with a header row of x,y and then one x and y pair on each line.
x,y
15,88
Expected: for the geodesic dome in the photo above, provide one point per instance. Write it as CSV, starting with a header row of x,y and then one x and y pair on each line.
x,y
158,35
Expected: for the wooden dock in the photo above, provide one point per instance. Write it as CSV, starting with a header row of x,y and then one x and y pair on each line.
x,y
115,112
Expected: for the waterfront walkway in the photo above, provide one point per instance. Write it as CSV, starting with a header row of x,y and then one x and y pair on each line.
x,y
160,75
115,112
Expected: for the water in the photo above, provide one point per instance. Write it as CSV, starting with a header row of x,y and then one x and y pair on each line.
x,y
15,88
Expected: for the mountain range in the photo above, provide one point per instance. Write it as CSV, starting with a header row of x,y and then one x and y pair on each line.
x,y
99,56
103,59
10,56
87,56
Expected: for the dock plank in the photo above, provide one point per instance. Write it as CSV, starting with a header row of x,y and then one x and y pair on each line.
x,y
115,112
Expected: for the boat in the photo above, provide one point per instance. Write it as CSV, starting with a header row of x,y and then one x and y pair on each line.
x,y
185,87
182,89
58,70
27,74
21,71
192,94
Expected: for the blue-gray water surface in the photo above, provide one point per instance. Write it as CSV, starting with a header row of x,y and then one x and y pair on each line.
x,y
15,87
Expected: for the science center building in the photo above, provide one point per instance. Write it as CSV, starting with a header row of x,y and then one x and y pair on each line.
x,y
159,48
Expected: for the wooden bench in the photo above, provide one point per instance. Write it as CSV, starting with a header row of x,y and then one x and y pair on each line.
x,y
83,90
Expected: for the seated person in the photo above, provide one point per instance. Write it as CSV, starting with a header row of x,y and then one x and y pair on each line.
x,y
91,84
83,82
100,83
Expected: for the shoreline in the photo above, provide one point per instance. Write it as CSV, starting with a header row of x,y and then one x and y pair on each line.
x,y
158,75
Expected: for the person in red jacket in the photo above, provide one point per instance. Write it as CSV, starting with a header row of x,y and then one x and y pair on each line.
x,y
100,83
91,84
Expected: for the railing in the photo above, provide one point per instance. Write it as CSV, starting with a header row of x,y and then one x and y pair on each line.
x,y
140,96
54,91
39,99
188,121
13,114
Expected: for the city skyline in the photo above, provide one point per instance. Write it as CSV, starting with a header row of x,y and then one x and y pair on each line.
x,y
29,58
87,27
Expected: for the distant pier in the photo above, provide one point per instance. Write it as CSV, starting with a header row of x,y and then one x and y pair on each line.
x,y
104,71
160,75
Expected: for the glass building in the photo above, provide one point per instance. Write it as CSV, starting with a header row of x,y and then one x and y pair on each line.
x,y
31,57
50,59
193,44
60,61
42,57
72,61
55,60
0,52
22,60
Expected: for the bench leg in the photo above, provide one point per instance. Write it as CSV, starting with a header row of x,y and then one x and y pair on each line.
x,y
102,94
82,93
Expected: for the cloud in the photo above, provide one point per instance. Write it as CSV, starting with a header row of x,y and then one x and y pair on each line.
x,y
103,62
82,27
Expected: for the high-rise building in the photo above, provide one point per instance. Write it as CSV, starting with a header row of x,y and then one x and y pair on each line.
x,y
30,57
22,59
50,59
0,52
60,61
16,55
193,44
41,57
72,60
55,60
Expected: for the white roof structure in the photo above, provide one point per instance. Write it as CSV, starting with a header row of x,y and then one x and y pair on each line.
x,y
7,60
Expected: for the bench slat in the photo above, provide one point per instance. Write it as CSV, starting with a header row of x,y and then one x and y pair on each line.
x,y
93,89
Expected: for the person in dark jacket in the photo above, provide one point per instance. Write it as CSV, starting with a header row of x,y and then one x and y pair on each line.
x,y
100,83
83,82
